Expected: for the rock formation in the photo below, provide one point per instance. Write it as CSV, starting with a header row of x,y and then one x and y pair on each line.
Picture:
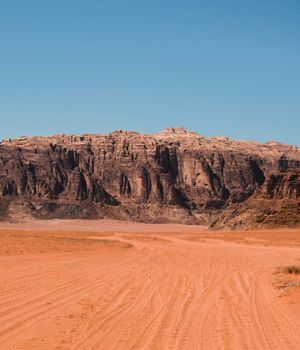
x,y
174,175
276,203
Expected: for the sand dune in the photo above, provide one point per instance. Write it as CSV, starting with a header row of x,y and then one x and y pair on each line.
x,y
112,286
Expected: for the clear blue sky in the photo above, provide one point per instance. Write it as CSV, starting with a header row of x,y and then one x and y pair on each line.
x,y
219,67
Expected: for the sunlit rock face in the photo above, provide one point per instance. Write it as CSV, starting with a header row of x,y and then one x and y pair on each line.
x,y
136,176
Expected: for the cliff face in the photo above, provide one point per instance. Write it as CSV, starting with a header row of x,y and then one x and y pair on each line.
x,y
276,203
132,175
284,185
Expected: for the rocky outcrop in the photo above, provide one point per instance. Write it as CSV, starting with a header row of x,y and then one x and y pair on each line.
x,y
276,203
136,176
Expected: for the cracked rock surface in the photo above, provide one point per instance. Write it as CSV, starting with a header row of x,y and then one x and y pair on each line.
x,y
171,176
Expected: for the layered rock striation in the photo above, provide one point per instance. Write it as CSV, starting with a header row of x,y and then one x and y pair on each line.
x,y
174,175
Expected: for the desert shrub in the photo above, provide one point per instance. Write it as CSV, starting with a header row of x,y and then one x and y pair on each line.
x,y
290,269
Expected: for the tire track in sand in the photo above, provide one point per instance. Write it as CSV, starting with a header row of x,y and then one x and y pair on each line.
x,y
174,294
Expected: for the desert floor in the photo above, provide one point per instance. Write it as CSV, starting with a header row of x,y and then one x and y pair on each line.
x,y
112,285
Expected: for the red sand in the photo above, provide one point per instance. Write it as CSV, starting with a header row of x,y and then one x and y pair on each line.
x,y
111,285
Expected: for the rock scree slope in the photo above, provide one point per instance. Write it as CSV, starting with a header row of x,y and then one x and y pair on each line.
x,y
171,176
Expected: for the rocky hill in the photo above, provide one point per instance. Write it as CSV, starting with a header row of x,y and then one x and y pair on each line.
x,y
174,175
276,203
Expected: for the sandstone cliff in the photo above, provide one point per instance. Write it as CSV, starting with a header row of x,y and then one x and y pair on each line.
x,y
276,203
174,175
